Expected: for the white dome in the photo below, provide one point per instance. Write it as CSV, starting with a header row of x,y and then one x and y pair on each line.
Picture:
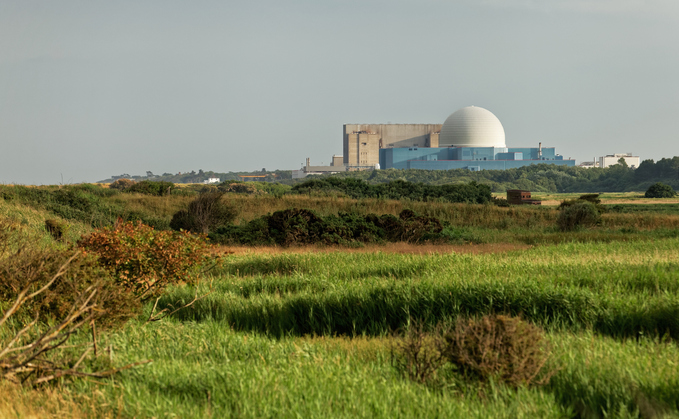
x,y
472,127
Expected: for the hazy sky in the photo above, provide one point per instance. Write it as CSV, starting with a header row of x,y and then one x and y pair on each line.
x,y
93,89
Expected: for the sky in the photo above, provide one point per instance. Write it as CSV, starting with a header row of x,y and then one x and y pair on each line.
x,y
94,89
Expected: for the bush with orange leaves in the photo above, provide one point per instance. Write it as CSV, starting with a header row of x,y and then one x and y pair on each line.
x,y
144,260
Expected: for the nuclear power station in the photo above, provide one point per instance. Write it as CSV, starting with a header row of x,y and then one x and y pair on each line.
x,y
471,138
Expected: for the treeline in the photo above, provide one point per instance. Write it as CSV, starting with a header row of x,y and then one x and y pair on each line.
x,y
541,177
200,176
472,192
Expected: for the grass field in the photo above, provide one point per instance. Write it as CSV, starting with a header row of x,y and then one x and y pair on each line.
x,y
310,331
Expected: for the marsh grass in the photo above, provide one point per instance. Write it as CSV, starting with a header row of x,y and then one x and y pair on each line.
x,y
204,369
617,289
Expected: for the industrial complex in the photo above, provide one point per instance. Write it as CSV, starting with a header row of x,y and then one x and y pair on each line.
x,y
471,138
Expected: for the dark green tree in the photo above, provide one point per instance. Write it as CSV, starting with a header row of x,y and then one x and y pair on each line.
x,y
660,190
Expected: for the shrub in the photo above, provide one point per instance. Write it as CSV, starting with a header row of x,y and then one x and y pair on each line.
x,y
204,214
122,184
591,197
144,260
240,188
500,202
501,347
148,187
56,228
419,355
302,226
497,347
660,190
30,268
579,214
62,295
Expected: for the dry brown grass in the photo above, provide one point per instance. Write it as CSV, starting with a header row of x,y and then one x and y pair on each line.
x,y
160,206
641,221
49,402
399,248
363,348
639,201
251,207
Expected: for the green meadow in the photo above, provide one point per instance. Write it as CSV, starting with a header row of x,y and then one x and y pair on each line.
x,y
314,331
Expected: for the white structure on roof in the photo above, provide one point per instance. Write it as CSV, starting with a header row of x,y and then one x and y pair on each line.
x,y
472,126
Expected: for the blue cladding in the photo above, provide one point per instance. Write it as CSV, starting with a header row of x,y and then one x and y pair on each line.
x,y
472,158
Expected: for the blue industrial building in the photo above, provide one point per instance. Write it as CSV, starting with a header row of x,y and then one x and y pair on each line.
x,y
471,158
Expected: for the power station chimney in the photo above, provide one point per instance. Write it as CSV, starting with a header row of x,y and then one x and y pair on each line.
x,y
307,162
539,151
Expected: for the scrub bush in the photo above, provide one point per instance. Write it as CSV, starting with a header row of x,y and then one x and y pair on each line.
x,y
48,296
419,355
56,228
505,348
302,226
148,187
25,267
660,190
143,260
122,184
204,214
592,198
239,188
579,214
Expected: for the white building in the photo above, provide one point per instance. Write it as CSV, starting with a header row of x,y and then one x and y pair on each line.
x,y
611,159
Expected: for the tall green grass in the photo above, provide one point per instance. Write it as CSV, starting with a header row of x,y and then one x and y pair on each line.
x,y
204,369
617,289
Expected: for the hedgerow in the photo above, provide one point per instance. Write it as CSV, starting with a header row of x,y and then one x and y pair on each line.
x,y
148,187
471,192
301,226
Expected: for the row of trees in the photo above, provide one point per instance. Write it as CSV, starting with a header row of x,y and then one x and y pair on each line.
x,y
200,176
543,177
471,192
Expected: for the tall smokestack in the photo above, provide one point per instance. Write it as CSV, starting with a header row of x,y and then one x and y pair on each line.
x,y
539,150
307,162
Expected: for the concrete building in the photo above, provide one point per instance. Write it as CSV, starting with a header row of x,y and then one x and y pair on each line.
x,y
336,166
362,142
611,159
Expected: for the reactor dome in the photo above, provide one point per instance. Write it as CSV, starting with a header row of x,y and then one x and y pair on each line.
x,y
472,127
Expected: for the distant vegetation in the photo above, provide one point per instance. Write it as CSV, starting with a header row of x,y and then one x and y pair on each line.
x,y
472,192
536,178
200,176
542,177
